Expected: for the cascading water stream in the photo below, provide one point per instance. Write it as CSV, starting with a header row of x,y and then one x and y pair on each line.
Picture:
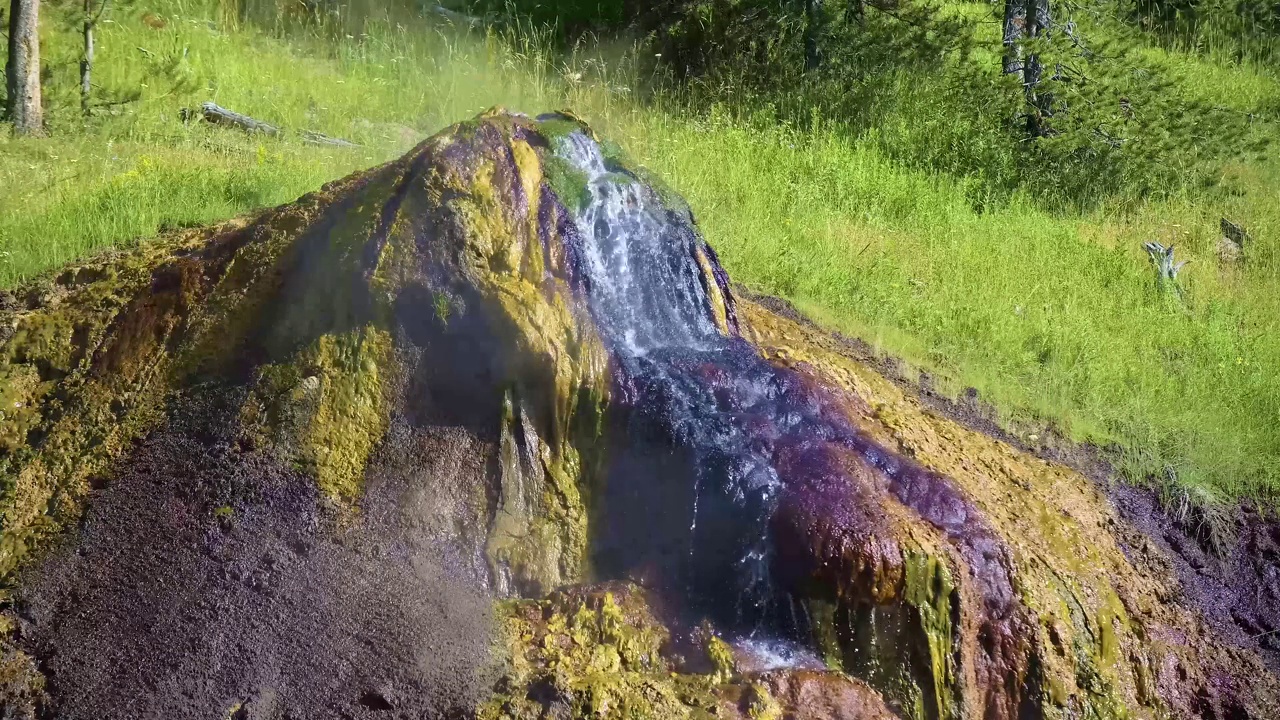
x,y
715,436
707,391
645,288
647,294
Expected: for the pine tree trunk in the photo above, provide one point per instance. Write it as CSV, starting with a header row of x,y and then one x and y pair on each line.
x,y
1015,28
22,72
814,19
1025,20
86,63
1038,25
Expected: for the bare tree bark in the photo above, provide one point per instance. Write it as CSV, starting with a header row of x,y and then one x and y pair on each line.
x,y
1025,20
86,63
22,72
815,19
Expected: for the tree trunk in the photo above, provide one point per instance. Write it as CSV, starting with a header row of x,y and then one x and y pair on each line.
x,y
1015,28
1037,26
86,63
814,20
22,72
1023,21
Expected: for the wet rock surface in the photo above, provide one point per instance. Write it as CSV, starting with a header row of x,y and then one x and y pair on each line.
x,y
1108,636
1235,584
810,695
600,651
356,456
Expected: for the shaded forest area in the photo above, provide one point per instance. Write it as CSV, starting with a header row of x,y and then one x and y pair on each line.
x,y
1071,102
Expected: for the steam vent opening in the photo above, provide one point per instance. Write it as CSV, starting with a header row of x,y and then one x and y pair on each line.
x,y
487,432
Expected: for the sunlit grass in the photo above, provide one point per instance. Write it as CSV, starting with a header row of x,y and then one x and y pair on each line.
x,y
1051,318
1055,318
137,167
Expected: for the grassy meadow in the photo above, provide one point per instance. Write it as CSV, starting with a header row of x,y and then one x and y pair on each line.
x,y
1052,313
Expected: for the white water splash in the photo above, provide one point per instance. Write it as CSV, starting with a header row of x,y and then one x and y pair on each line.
x,y
645,289
765,654
645,286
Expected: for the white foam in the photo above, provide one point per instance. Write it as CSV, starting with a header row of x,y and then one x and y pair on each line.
x,y
764,654
645,285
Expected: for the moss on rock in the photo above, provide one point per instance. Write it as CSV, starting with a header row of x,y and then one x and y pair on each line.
x,y
598,652
327,407
593,652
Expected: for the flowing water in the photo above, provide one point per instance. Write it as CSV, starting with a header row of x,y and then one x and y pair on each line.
x,y
714,438
715,414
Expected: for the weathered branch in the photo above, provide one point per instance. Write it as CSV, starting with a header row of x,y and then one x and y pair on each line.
x,y
456,17
221,116
312,137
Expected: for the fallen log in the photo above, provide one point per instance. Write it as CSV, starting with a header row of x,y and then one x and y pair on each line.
x,y
312,137
219,115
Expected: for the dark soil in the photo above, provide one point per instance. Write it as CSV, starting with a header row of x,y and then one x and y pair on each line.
x,y
209,581
1235,586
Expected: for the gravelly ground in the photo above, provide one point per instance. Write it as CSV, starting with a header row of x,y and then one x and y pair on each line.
x,y
208,581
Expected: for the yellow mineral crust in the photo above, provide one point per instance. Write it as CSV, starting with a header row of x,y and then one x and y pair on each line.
x,y
1107,634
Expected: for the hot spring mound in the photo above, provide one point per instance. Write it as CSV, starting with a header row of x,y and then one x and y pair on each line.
x,y
485,432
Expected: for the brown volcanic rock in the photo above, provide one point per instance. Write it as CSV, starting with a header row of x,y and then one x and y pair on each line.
x,y
208,579
285,466
813,695
281,466
1101,635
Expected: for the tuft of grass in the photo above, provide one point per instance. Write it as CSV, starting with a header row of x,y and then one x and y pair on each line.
x,y
1052,315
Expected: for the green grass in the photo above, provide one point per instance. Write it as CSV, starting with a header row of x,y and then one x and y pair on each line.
x,y
134,168
1053,316
1055,320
